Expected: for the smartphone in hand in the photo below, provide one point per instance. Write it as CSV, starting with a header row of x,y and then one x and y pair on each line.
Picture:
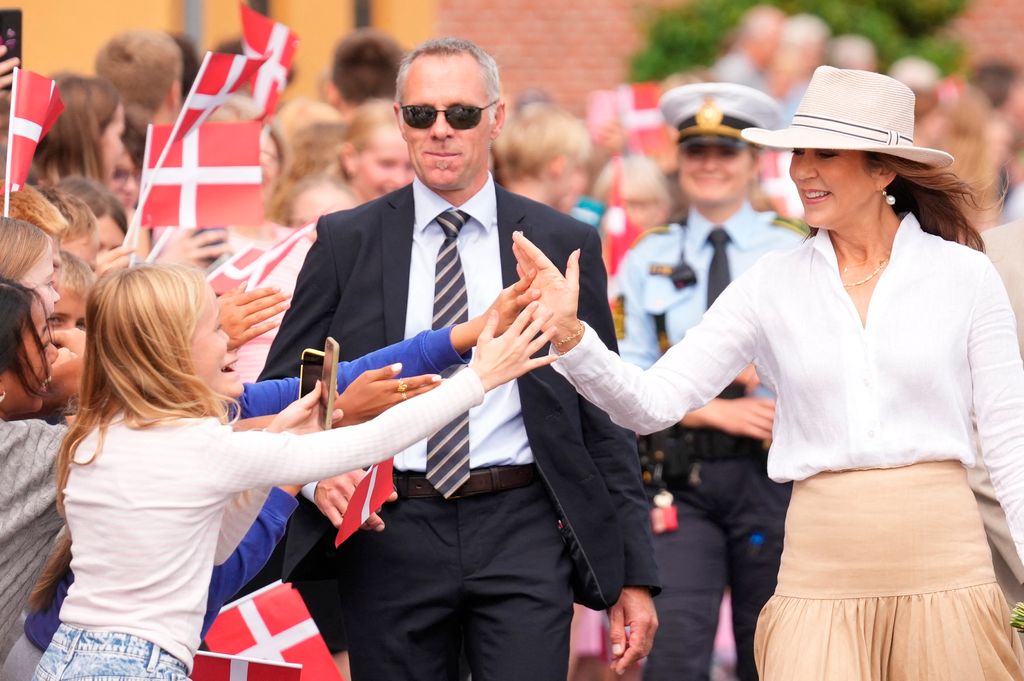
x,y
321,366
10,35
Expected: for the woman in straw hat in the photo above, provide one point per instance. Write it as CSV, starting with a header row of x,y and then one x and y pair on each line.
x,y
882,336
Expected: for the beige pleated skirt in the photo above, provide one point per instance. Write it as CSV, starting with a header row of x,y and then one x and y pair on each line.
x,y
886,576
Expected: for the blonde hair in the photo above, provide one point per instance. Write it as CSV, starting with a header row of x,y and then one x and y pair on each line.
x,y
31,206
81,223
24,246
138,365
369,117
539,134
143,65
76,277
640,175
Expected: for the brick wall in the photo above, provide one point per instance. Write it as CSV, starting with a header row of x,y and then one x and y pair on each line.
x,y
993,29
569,47
566,47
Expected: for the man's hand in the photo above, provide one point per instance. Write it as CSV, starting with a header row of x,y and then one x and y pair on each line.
x,y
332,496
244,314
634,609
744,417
377,390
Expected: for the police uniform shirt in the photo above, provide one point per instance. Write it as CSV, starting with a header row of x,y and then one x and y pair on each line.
x,y
647,290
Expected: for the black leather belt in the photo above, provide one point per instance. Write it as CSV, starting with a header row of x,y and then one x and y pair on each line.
x,y
481,481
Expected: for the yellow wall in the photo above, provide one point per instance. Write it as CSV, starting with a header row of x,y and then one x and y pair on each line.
x,y
319,24
410,22
65,34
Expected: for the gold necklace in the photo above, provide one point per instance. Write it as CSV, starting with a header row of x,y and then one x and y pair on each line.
x,y
868,278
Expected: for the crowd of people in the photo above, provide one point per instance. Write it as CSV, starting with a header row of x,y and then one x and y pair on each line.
x,y
777,437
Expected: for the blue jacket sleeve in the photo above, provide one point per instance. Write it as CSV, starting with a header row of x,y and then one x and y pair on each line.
x,y
251,554
41,625
428,352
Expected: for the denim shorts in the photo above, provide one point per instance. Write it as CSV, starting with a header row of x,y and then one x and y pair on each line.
x,y
79,655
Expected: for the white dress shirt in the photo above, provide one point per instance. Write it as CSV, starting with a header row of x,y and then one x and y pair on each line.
x,y
497,436
939,345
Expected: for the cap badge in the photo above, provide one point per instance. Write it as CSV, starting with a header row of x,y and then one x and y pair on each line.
x,y
709,116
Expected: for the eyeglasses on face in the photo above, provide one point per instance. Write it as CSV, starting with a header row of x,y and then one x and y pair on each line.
x,y
460,116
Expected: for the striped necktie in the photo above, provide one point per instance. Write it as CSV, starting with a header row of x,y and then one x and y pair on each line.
x,y
448,448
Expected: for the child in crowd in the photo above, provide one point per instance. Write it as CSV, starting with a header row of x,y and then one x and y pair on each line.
x,y
74,282
151,461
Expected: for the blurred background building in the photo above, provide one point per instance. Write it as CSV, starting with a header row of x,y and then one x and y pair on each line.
x,y
565,48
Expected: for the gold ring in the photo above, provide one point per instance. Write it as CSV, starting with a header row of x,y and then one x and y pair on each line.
x,y
402,387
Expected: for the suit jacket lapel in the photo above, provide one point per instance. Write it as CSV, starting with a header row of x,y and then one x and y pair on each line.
x,y
511,218
397,220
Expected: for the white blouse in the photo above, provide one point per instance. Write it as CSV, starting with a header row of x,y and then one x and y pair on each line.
x,y
939,346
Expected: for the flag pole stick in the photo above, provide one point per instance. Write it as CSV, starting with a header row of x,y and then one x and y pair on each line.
x,y
10,145
132,236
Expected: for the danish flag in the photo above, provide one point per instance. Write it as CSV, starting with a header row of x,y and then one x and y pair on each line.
x,y
35,106
252,264
212,177
371,493
641,118
217,667
236,270
620,233
273,41
219,76
273,624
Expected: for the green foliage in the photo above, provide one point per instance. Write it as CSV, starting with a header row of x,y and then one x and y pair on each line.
x,y
691,34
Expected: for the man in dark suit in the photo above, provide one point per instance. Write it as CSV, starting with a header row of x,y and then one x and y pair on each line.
x,y
530,498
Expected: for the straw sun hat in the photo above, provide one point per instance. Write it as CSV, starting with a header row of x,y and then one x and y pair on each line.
x,y
845,109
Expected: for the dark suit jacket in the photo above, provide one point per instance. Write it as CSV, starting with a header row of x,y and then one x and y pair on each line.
x,y
354,286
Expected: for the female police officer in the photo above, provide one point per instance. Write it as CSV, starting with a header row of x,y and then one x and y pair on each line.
x,y
717,517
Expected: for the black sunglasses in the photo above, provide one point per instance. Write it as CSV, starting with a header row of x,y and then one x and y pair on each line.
x,y
460,116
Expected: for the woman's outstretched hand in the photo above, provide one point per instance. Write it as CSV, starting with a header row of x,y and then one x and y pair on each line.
x,y
559,294
499,359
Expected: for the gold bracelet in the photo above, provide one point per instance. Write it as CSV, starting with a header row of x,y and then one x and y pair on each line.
x,y
567,339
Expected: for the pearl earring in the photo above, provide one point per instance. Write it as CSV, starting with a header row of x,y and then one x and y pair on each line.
x,y
889,198
3,395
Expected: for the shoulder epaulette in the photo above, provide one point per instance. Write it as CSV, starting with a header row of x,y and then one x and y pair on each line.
x,y
793,224
665,229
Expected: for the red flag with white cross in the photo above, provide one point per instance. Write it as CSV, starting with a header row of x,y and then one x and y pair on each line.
x,y
35,106
370,494
220,75
273,624
211,178
217,667
641,118
273,41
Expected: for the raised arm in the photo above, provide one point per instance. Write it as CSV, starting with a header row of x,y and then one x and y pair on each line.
x,y
259,459
692,372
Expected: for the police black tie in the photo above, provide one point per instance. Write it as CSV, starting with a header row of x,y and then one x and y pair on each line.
x,y
448,448
718,273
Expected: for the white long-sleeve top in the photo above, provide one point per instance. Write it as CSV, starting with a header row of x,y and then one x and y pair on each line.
x,y
158,507
939,345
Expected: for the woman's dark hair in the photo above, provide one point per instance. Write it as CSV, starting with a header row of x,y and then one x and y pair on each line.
x,y
15,328
940,200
